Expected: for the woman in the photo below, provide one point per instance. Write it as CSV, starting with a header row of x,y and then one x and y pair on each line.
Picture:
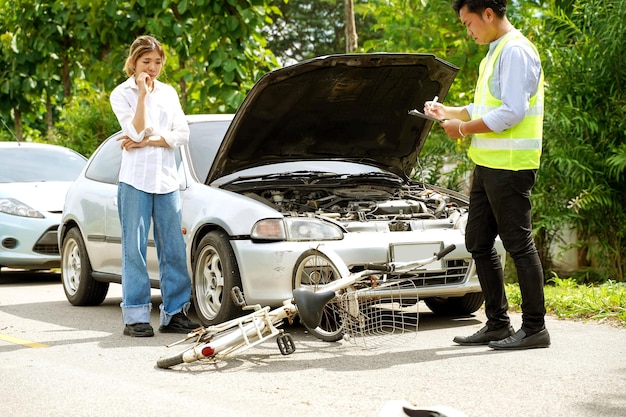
x,y
153,125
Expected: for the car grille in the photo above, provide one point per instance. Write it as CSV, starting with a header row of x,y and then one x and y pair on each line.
x,y
47,243
455,272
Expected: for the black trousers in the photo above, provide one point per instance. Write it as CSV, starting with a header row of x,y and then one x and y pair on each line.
x,y
500,205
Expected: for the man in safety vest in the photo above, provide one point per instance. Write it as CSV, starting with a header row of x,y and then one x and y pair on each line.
x,y
506,121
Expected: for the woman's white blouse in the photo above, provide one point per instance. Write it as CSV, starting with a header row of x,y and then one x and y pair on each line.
x,y
151,169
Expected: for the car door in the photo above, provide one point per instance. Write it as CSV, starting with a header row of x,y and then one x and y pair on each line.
x,y
104,231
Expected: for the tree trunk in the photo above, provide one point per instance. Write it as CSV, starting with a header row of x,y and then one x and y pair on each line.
x,y
351,36
17,118
49,111
183,87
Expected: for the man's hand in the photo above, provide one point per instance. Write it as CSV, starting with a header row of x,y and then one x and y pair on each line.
x,y
453,128
435,109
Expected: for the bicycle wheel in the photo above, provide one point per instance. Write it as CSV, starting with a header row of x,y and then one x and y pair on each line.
x,y
312,270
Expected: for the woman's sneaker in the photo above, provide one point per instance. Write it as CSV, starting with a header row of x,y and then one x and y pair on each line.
x,y
139,330
179,323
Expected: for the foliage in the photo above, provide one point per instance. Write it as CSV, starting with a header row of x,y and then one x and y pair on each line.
x,y
217,48
306,29
431,26
215,51
85,122
580,182
401,26
565,298
59,60
36,46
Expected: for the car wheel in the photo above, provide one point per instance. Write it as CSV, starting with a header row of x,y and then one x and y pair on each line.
x,y
215,273
313,269
455,306
79,286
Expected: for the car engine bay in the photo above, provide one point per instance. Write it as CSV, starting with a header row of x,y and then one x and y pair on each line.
x,y
397,207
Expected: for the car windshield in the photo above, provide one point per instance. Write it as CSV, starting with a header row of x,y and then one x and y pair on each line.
x,y
31,164
204,140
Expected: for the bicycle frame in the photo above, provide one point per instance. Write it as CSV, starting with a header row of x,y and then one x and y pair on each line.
x,y
233,337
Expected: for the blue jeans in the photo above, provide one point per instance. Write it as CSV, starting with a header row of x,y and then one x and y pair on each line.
x,y
136,209
500,205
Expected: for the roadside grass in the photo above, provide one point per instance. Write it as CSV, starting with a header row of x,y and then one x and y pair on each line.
x,y
565,298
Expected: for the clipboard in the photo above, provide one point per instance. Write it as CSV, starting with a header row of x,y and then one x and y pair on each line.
x,y
418,113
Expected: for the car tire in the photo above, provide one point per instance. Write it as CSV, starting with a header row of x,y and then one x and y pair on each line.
x,y
455,306
314,266
79,286
215,273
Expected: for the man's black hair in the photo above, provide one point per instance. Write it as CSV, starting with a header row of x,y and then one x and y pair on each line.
x,y
479,6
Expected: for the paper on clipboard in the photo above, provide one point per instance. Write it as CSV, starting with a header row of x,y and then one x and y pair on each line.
x,y
418,113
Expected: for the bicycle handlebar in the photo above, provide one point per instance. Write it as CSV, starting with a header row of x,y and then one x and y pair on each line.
x,y
378,267
445,251
391,266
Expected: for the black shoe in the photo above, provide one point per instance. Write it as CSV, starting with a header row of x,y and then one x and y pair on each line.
x,y
179,323
484,336
139,330
521,340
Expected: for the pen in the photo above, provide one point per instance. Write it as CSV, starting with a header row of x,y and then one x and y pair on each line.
x,y
434,101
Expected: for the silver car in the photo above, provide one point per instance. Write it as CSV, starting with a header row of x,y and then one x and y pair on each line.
x,y
320,152
34,178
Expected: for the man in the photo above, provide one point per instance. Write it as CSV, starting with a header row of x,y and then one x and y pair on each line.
x,y
506,122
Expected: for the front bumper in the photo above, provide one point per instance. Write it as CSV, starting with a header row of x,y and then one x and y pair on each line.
x,y
267,268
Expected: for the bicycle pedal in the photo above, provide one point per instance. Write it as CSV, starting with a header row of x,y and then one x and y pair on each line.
x,y
237,297
285,344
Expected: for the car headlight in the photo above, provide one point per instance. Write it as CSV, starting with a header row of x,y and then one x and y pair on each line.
x,y
295,229
17,208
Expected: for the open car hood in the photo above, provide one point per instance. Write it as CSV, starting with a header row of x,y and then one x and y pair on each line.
x,y
341,107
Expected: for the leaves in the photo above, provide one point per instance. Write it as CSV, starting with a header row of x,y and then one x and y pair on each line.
x,y
581,182
217,50
45,48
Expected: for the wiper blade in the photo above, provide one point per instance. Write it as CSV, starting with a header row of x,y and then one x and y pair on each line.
x,y
364,176
294,176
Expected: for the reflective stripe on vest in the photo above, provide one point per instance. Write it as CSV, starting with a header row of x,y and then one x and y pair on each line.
x,y
516,148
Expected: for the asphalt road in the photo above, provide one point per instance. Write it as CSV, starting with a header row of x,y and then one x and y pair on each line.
x,y
60,360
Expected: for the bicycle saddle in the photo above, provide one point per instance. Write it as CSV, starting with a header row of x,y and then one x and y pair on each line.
x,y
311,305
400,408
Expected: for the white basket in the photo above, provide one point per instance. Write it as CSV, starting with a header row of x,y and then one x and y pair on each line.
x,y
381,316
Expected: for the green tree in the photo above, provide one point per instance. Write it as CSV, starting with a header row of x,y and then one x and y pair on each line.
x,y
581,181
37,46
215,52
86,120
308,28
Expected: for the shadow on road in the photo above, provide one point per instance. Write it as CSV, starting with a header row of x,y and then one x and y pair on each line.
x,y
105,325
15,277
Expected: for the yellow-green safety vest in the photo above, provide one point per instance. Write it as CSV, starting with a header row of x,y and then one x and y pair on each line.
x,y
516,148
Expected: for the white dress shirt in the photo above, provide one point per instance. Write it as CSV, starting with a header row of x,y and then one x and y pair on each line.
x,y
514,81
151,169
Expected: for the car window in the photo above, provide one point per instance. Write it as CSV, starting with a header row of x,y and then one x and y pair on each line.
x,y
205,138
34,164
106,161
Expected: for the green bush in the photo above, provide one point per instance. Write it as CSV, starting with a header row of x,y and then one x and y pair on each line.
x,y
565,298
85,122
